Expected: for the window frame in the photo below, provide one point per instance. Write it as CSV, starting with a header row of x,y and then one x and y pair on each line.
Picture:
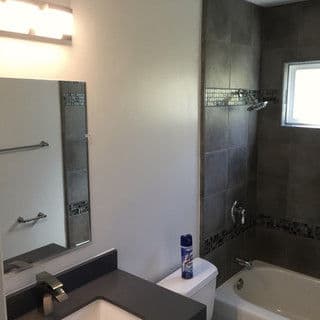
x,y
290,69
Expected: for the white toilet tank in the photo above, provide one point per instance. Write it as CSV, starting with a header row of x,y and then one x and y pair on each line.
x,y
202,287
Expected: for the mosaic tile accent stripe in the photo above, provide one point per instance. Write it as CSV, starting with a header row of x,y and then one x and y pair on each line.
x,y
215,241
272,95
74,99
292,227
215,97
78,208
299,229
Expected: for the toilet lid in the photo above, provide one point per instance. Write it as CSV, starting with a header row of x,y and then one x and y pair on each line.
x,y
203,273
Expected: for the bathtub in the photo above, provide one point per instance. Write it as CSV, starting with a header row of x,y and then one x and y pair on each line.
x,y
268,293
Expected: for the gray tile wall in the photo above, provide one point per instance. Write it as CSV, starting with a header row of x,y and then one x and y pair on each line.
x,y
231,60
288,158
276,172
286,250
75,154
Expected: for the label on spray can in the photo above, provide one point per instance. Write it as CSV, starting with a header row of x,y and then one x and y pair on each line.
x,y
186,257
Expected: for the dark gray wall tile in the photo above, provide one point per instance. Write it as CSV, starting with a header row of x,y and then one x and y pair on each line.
x,y
217,66
288,166
219,258
256,26
76,157
271,246
250,238
304,256
238,126
252,162
270,129
216,172
305,164
232,36
75,123
304,202
252,198
245,67
252,127
272,65
79,228
237,171
304,183
213,216
272,196
305,137
216,128
309,24
234,249
304,179
274,159
242,14
224,256
311,52
218,20
280,26
78,186
288,251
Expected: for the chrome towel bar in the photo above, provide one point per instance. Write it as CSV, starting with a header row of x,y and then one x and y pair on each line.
x,y
42,144
38,217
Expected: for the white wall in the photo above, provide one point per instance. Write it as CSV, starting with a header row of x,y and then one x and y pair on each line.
x,y
141,62
2,301
31,181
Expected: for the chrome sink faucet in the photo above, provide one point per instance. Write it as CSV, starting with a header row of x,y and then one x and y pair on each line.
x,y
53,288
243,263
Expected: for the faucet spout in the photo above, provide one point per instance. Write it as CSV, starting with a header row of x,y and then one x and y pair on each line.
x,y
53,288
243,263
60,295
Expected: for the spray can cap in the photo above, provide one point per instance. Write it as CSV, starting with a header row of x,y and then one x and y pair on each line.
x,y
186,240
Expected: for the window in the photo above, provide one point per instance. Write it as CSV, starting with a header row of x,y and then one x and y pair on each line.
x,y
301,98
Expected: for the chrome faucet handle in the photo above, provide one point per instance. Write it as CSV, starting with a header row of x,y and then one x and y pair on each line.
x,y
238,210
233,209
243,216
49,280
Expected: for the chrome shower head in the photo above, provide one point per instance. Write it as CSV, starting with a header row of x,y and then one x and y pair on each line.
x,y
258,106
251,100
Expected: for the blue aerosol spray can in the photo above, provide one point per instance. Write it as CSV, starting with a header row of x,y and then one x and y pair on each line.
x,y
186,256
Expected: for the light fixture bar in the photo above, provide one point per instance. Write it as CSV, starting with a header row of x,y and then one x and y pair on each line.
x,y
36,20
40,3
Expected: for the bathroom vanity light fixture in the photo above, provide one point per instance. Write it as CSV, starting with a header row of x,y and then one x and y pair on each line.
x,y
36,20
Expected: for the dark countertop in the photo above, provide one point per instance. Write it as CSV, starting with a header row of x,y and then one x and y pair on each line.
x,y
33,256
135,295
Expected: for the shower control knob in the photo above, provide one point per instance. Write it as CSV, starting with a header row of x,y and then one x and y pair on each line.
x,y
238,211
243,216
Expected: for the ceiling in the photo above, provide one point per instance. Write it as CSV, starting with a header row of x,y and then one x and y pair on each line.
x,y
270,3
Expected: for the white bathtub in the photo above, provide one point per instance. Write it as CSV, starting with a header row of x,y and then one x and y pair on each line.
x,y
269,293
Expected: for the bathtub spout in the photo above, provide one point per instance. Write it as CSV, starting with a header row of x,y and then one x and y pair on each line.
x,y
243,263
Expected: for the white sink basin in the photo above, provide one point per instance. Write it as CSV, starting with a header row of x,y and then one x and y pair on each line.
x,y
101,310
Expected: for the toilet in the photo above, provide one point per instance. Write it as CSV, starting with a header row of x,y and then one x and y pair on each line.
x,y
201,287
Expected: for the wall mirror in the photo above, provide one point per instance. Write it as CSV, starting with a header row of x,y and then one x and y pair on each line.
x,y
44,188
